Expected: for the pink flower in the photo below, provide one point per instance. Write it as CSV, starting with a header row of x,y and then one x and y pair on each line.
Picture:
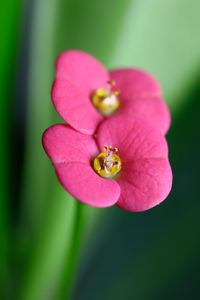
x,y
145,177
81,83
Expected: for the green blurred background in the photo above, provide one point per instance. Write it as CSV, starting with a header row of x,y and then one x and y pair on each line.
x,y
53,247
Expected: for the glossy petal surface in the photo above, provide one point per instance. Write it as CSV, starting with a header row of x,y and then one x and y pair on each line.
x,y
71,153
78,75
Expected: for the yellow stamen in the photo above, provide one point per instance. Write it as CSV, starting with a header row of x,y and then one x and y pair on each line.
x,y
105,100
117,92
107,164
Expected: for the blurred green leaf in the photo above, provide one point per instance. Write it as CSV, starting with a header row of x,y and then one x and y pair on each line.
x,y
163,38
47,210
9,16
92,26
37,170
50,248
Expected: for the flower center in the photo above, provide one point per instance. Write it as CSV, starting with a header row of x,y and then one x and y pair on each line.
x,y
105,100
108,163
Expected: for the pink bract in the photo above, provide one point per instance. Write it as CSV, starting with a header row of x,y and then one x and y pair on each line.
x,y
144,180
78,75
71,153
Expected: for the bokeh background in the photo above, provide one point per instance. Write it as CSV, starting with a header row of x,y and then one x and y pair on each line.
x,y
53,247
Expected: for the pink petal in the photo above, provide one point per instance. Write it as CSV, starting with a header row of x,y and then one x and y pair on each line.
x,y
145,178
78,75
71,153
135,138
153,110
144,183
134,84
81,70
85,185
64,144
74,107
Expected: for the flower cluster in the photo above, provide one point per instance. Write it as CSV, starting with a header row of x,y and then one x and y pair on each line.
x,y
112,149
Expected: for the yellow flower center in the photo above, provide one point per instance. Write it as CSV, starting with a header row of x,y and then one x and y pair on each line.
x,y
108,163
105,100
